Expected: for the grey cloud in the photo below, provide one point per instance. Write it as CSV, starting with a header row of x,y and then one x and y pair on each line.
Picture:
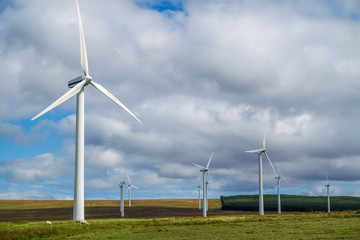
x,y
206,79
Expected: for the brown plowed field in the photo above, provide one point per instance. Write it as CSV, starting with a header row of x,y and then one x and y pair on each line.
x,y
107,212
41,210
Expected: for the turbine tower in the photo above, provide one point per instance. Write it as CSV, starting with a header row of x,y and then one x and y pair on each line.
x,y
204,170
121,185
328,191
77,86
278,178
199,189
129,189
260,152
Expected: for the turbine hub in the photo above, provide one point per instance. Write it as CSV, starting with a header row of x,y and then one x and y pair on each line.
x,y
87,79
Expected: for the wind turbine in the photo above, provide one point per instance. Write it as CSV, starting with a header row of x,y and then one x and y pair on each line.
x,y
260,152
328,191
77,86
199,189
204,170
129,189
278,178
121,185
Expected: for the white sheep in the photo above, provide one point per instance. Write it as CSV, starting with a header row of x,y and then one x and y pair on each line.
x,y
48,223
83,222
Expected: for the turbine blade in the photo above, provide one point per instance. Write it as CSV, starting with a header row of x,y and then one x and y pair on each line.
x,y
109,95
135,186
129,180
208,164
277,166
326,177
270,163
264,140
208,174
198,166
284,179
62,99
255,151
84,60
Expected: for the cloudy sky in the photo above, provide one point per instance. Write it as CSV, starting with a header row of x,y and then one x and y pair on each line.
x,y
203,77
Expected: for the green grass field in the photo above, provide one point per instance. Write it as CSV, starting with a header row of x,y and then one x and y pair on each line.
x,y
338,225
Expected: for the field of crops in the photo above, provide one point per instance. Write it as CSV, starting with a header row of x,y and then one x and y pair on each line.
x,y
289,203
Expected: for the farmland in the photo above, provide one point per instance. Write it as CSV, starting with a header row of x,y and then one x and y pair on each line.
x,y
219,224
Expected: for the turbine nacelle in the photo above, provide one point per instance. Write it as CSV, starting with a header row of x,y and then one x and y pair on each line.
x,y
122,183
72,83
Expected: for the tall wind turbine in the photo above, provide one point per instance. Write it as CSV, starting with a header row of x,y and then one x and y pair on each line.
x,y
328,191
77,86
278,178
121,185
204,170
199,189
260,152
129,189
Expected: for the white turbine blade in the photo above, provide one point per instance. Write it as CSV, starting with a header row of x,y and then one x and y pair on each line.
x,y
326,177
135,186
198,166
62,99
277,166
129,180
255,151
109,95
284,179
84,60
264,140
270,163
208,164
208,174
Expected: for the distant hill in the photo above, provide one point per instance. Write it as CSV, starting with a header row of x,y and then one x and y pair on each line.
x,y
289,203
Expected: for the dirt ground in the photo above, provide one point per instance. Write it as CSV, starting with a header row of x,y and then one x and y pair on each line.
x,y
54,214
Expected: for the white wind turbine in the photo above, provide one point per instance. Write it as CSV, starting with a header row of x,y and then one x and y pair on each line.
x,y
121,185
77,86
328,191
129,189
278,178
260,152
204,170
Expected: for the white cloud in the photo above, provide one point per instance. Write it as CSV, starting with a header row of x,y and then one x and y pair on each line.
x,y
203,80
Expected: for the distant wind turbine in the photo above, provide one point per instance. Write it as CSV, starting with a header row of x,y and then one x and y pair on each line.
x,y
260,152
278,178
77,86
121,185
328,191
204,170
129,189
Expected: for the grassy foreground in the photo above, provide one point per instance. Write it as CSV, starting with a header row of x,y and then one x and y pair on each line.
x,y
337,225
